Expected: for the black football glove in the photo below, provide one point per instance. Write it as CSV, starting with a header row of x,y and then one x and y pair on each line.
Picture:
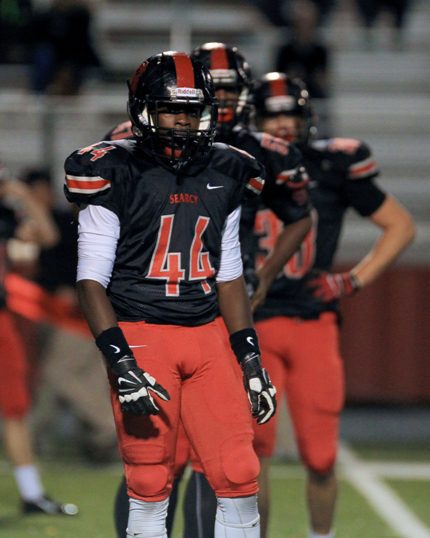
x,y
134,385
134,392
261,392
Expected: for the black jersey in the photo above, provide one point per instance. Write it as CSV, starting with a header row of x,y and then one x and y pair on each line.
x,y
169,248
283,164
341,173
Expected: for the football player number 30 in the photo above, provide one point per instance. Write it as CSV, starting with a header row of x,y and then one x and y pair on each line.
x,y
268,227
167,265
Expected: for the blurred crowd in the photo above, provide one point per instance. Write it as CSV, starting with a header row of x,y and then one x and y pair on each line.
x,y
55,39
56,42
39,284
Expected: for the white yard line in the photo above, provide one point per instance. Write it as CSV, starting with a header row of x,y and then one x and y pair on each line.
x,y
403,470
382,498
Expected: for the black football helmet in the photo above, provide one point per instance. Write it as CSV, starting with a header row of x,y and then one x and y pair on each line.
x,y
230,71
172,79
275,93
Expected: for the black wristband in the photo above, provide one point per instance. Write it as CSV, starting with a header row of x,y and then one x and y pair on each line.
x,y
113,345
244,342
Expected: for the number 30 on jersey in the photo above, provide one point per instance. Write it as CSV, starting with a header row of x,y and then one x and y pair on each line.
x,y
268,227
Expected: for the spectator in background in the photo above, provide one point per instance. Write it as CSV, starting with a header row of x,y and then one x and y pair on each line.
x,y
78,382
21,217
370,11
278,11
304,55
324,7
62,48
14,16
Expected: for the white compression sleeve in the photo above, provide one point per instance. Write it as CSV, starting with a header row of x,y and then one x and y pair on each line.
x,y
237,518
231,260
99,230
147,519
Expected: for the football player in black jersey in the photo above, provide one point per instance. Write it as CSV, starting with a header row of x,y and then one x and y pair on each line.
x,y
159,254
298,323
285,192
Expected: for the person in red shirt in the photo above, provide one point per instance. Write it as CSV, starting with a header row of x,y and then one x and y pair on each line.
x,y
23,218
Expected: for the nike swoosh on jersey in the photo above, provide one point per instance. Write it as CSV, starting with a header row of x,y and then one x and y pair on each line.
x,y
211,187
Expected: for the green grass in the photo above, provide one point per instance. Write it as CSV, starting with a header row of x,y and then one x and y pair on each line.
x,y
416,494
412,452
94,488
355,518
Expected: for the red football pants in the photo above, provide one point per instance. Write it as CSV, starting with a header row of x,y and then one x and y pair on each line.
x,y
193,365
14,391
303,360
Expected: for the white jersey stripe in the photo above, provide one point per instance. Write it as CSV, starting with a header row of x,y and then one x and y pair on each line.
x,y
89,191
87,184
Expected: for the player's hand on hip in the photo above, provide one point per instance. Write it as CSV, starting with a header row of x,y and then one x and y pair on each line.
x,y
136,389
261,392
328,287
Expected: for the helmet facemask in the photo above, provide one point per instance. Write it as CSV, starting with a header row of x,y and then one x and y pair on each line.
x,y
232,111
175,145
231,73
289,126
278,97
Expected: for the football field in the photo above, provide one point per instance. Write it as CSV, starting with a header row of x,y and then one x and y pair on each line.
x,y
384,493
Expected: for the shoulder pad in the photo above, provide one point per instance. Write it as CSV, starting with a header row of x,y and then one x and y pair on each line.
x,y
343,145
360,162
226,151
254,183
120,131
242,167
242,152
272,143
354,156
90,170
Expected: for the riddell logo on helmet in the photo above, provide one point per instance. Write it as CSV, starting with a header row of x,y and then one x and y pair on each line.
x,y
194,93
278,103
226,76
